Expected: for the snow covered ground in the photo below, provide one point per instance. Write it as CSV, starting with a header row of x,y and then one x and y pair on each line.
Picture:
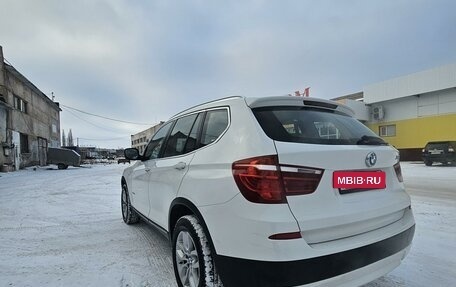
x,y
64,228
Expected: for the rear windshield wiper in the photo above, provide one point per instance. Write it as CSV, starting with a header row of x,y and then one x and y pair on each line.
x,y
371,140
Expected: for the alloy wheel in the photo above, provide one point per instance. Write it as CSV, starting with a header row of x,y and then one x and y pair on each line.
x,y
124,203
187,260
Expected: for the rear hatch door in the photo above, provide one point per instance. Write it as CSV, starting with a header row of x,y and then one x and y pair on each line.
x,y
331,213
330,141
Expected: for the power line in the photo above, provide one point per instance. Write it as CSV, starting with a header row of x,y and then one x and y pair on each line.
x,y
107,118
87,139
100,127
111,139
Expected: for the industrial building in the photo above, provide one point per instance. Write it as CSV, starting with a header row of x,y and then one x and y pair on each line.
x,y
411,110
29,121
141,139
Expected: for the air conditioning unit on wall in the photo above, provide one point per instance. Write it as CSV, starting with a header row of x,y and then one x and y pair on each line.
x,y
378,113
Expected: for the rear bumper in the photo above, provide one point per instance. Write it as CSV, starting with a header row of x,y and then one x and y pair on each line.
x,y
440,157
244,272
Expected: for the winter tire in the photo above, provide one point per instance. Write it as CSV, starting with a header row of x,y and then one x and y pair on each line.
x,y
428,162
128,214
192,258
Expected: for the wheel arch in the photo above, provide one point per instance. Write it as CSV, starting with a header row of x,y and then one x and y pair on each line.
x,y
181,206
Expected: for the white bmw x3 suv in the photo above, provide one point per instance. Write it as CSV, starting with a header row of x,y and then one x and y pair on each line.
x,y
274,191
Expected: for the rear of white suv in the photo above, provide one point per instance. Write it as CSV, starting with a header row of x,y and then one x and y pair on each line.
x,y
278,196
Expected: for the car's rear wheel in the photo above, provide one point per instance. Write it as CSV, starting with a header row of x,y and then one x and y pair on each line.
x,y
428,162
192,258
129,216
62,166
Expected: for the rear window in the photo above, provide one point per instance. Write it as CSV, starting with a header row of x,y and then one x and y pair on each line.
x,y
437,145
314,126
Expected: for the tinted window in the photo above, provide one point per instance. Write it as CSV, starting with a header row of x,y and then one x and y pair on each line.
x,y
215,123
193,137
310,125
437,145
155,144
178,137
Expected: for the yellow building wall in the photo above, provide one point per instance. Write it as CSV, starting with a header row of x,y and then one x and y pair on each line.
x,y
415,133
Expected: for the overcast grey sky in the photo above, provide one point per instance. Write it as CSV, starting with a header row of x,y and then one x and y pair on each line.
x,y
144,61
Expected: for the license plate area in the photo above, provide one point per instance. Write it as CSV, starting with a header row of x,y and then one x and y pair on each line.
x,y
356,181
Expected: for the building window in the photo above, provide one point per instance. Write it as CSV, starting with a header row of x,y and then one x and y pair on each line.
x,y
327,130
24,143
20,104
387,131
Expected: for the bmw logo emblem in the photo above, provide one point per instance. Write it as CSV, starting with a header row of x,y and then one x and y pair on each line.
x,y
371,159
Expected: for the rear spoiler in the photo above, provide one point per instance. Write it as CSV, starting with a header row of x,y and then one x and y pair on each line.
x,y
298,101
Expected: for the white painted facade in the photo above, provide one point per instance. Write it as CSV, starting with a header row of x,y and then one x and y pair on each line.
x,y
436,79
141,139
362,112
423,94
423,105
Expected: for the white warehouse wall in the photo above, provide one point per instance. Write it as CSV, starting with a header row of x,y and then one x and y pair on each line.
x,y
429,104
436,79
359,107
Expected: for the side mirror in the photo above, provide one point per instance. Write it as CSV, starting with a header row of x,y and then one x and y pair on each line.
x,y
131,154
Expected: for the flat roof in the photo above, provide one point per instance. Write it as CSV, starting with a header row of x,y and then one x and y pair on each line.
x,y
354,96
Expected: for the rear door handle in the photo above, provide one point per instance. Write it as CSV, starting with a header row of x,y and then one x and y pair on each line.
x,y
180,165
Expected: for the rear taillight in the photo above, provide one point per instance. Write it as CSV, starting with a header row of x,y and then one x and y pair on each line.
x,y
450,149
300,180
397,169
263,180
259,180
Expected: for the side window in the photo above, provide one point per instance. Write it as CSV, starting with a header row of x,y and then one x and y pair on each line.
x,y
155,144
178,137
193,136
215,123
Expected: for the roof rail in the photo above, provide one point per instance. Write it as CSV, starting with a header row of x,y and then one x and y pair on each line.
x,y
209,102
